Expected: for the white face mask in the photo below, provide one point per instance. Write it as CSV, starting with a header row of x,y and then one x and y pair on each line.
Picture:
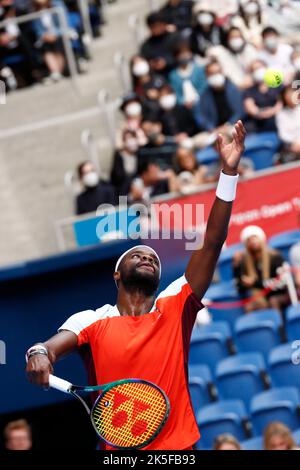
x,y
167,101
91,179
258,75
297,64
216,81
205,19
133,109
132,145
251,9
236,44
140,68
271,43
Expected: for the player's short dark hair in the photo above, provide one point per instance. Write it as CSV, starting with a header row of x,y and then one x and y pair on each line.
x,y
269,30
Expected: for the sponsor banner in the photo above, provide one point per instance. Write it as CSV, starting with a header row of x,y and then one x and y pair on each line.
x,y
271,202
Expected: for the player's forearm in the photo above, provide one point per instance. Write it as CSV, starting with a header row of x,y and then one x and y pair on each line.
x,y
56,347
217,225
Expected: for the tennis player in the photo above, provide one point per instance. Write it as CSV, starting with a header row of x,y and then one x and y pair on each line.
x,y
144,336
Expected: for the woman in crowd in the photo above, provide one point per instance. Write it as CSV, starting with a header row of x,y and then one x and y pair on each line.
x,y
226,442
190,173
206,32
288,123
277,436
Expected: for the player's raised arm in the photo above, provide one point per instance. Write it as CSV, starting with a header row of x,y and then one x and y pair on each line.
x,y
202,264
42,356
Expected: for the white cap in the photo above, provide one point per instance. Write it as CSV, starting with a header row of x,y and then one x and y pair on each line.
x,y
252,230
138,247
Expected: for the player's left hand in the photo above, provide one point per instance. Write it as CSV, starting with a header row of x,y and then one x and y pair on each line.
x,y
231,153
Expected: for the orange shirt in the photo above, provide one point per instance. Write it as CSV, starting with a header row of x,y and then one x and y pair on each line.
x,y
151,347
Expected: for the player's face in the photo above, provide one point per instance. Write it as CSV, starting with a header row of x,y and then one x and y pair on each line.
x,y
140,268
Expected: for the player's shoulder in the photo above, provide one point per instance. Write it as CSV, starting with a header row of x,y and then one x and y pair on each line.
x,y
174,288
85,318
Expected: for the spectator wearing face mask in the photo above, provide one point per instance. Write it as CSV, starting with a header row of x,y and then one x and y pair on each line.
x,y
158,48
276,54
251,20
261,102
151,182
177,120
288,124
142,76
190,174
188,79
125,164
206,33
236,57
133,115
178,14
221,103
95,192
150,100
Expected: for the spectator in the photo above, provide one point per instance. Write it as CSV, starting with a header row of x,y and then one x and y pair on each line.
x,y
261,102
276,54
251,20
17,435
288,123
206,33
178,14
150,100
15,55
132,109
177,120
255,268
188,79
141,75
158,48
277,436
296,63
226,442
125,163
96,191
190,173
151,182
294,256
221,103
49,39
236,57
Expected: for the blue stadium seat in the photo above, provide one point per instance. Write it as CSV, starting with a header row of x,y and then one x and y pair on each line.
x,y
209,344
219,418
284,363
199,393
202,375
278,404
258,331
225,261
284,241
240,377
224,292
261,148
296,436
255,443
293,323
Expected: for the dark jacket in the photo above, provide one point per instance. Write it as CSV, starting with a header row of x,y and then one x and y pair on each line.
x,y
178,119
90,199
180,15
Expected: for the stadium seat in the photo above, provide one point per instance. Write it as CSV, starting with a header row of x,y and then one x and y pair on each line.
x,y
261,148
278,404
224,292
241,377
255,443
284,241
284,363
225,261
228,416
293,323
209,344
199,393
258,331
296,436
202,373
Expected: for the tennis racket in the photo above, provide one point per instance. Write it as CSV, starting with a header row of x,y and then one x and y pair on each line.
x,y
128,414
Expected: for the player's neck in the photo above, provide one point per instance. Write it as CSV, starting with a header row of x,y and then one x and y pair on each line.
x,y
134,303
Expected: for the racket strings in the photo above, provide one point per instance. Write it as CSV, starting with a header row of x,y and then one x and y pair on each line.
x,y
129,414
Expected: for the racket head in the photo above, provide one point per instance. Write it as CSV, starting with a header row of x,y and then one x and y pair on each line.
x,y
129,414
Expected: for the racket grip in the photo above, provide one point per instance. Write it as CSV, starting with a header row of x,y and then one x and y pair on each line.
x,y
59,384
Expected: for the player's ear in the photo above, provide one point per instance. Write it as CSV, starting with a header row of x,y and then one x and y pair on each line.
x,y
117,276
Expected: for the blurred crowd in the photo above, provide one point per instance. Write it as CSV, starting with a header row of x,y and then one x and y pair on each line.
x,y
32,51
201,69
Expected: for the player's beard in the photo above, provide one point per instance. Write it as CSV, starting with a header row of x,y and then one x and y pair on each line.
x,y
145,282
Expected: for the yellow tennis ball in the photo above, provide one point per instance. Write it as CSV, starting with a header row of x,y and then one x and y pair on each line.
x,y
273,78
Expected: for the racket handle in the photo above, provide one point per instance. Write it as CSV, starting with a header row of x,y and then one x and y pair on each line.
x,y
59,384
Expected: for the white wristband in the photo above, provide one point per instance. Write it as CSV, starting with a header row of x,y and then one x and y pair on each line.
x,y
226,189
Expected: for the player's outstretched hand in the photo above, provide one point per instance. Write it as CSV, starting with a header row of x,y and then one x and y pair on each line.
x,y
231,153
